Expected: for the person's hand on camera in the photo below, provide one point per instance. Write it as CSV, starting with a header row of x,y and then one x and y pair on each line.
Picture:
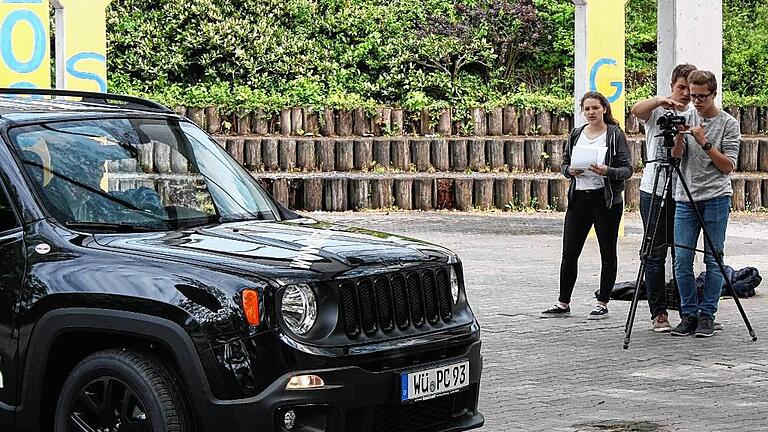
x,y
669,103
698,134
679,136
575,172
601,170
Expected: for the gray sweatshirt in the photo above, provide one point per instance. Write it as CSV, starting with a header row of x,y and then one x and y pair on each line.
x,y
702,176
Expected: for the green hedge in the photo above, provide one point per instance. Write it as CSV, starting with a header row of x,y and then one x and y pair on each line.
x,y
271,54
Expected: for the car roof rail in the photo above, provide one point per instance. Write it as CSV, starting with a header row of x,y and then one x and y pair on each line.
x,y
130,102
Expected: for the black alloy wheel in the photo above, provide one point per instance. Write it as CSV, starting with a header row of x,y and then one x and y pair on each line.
x,y
107,404
119,390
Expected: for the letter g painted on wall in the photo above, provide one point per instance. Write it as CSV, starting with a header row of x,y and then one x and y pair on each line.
x,y
593,74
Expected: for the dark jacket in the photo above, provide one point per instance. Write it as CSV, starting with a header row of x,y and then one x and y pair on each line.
x,y
744,281
617,158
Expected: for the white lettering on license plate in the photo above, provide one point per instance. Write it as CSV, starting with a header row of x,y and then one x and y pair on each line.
x,y
432,382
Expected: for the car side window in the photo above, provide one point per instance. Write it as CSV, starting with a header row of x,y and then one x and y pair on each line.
x,y
8,219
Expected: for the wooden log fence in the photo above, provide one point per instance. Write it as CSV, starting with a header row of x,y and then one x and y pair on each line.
x,y
476,155
453,191
414,154
449,191
483,193
325,152
334,174
420,154
345,155
534,154
462,189
509,121
527,122
439,154
387,121
504,192
443,194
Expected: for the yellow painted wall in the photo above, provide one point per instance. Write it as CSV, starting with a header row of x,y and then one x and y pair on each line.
x,y
25,58
81,44
606,56
605,51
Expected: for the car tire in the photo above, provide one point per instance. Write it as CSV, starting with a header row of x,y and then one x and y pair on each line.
x,y
115,387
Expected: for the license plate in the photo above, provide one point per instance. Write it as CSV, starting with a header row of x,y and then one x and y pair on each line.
x,y
429,383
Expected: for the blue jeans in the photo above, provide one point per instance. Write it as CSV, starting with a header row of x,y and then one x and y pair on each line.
x,y
687,228
655,279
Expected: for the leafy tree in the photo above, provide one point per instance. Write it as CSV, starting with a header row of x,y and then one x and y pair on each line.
x,y
347,53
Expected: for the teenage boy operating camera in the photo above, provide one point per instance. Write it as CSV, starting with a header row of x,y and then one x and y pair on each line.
x,y
649,111
708,155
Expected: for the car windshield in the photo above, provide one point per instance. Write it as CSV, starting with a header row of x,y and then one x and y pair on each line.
x,y
137,174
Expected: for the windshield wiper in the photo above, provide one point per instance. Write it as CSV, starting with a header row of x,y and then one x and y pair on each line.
x,y
196,222
120,227
261,215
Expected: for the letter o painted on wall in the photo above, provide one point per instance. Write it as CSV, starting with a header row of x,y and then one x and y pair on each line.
x,y
6,41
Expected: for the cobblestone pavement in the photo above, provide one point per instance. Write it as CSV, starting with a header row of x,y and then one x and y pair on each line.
x,y
572,374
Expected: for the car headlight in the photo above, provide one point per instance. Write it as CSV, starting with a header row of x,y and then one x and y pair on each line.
x,y
454,286
299,308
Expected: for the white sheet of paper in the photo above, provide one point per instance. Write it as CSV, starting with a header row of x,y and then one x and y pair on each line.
x,y
584,156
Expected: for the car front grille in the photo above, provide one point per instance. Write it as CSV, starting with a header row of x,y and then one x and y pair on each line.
x,y
408,299
420,416
424,416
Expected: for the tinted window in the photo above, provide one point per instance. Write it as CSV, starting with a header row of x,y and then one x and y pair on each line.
x,y
141,173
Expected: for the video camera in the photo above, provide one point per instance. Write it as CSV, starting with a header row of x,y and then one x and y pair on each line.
x,y
668,123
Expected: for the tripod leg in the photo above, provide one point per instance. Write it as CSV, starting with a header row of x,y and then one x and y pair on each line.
x,y
717,254
647,247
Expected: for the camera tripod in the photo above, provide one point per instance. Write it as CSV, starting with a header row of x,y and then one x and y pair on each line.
x,y
670,165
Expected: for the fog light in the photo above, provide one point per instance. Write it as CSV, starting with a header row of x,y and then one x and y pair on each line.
x,y
302,418
304,382
289,420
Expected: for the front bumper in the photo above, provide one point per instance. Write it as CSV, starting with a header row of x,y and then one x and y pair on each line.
x,y
353,400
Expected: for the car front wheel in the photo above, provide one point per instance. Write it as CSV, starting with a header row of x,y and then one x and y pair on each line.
x,y
121,391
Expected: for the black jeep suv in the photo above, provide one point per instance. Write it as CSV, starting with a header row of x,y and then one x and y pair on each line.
x,y
149,283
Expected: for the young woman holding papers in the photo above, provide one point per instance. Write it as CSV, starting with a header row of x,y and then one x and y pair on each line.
x,y
596,159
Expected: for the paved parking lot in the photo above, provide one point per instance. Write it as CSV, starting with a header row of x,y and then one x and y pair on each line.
x,y
572,374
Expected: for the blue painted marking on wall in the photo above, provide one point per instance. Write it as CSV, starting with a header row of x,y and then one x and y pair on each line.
x,y
618,85
6,44
23,1
72,63
25,85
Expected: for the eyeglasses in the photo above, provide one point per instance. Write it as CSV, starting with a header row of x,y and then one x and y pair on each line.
x,y
700,97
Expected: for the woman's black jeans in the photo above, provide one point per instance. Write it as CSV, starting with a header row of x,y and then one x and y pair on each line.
x,y
585,209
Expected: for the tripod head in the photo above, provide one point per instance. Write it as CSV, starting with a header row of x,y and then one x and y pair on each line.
x,y
668,124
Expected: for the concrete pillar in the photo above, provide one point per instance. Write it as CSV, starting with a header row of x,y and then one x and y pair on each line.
x,y
689,32
599,53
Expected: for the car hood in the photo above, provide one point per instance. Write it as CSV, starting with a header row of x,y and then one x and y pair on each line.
x,y
299,250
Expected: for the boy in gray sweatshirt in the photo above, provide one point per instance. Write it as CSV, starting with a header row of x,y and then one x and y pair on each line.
x,y
708,156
